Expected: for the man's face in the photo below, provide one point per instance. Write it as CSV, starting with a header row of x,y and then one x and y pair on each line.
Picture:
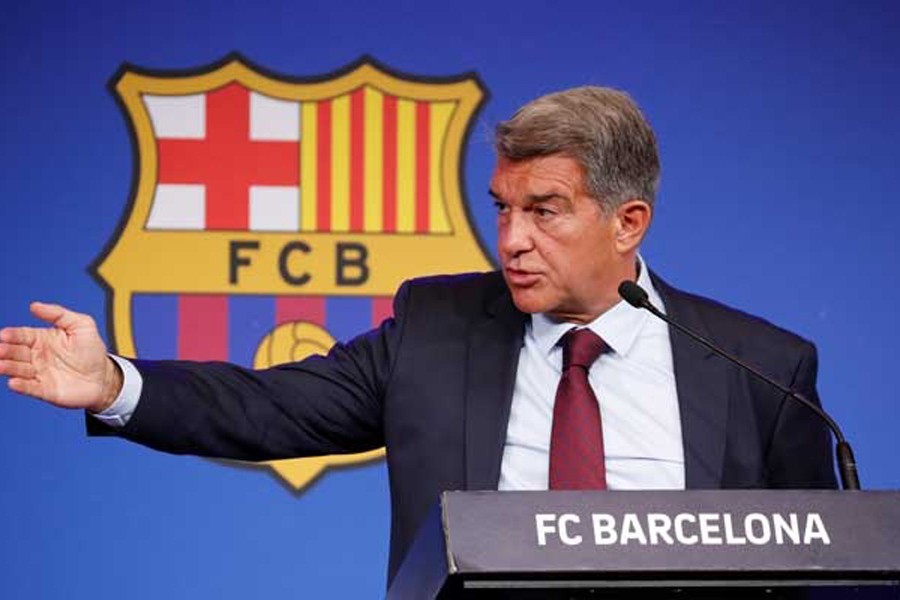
x,y
558,250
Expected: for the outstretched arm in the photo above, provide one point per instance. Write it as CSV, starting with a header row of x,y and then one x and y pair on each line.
x,y
317,406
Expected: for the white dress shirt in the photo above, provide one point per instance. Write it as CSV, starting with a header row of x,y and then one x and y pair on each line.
x,y
634,385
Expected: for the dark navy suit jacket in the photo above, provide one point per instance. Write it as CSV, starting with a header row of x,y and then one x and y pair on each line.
x,y
434,385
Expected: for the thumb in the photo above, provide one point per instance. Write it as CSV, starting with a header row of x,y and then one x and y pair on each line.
x,y
57,315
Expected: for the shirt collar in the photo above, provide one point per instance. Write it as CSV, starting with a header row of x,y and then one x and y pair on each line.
x,y
619,326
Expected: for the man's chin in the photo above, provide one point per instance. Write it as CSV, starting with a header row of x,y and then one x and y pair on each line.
x,y
528,300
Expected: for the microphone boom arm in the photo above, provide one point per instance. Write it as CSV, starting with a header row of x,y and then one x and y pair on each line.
x,y
637,297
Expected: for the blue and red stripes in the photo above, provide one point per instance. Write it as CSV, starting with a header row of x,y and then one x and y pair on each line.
x,y
231,327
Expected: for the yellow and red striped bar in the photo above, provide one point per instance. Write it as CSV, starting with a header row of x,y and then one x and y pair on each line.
x,y
372,164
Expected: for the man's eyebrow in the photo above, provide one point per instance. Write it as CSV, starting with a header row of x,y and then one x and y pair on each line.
x,y
533,198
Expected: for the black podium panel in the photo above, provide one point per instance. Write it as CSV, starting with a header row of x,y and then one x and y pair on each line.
x,y
684,544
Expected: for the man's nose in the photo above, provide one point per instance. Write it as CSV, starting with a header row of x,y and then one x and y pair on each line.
x,y
515,235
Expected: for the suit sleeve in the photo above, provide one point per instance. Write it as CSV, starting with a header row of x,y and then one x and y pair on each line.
x,y
800,453
321,405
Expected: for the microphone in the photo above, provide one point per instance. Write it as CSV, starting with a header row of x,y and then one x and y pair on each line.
x,y
636,296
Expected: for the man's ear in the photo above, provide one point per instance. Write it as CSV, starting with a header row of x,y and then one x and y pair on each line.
x,y
632,221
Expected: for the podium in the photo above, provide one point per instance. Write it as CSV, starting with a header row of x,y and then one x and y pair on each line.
x,y
661,544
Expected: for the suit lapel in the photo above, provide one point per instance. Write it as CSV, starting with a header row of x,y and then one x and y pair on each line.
x,y
701,380
493,356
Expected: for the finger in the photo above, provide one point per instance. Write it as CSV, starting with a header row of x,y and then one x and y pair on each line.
x,y
58,315
24,336
26,386
51,313
13,368
15,352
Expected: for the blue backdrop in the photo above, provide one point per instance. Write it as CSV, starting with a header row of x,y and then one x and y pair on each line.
x,y
778,126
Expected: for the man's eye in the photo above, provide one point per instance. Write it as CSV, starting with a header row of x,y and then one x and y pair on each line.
x,y
543,212
501,208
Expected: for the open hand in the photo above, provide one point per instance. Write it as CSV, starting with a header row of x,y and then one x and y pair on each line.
x,y
66,364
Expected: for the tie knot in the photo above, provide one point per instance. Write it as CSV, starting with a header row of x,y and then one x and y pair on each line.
x,y
581,347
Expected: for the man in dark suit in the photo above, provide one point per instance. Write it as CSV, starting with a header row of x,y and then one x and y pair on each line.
x,y
461,385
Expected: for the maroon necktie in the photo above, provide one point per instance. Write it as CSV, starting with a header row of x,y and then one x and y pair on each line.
x,y
576,442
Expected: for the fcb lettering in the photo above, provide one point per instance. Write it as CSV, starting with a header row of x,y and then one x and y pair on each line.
x,y
350,262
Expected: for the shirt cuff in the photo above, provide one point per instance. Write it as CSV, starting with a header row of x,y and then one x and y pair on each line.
x,y
119,412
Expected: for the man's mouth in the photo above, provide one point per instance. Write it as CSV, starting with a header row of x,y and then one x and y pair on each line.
x,y
520,278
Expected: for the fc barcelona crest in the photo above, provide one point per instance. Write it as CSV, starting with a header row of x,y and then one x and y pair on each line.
x,y
270,215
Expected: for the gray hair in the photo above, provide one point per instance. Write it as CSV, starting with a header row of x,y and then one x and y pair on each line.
x,y
601,128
